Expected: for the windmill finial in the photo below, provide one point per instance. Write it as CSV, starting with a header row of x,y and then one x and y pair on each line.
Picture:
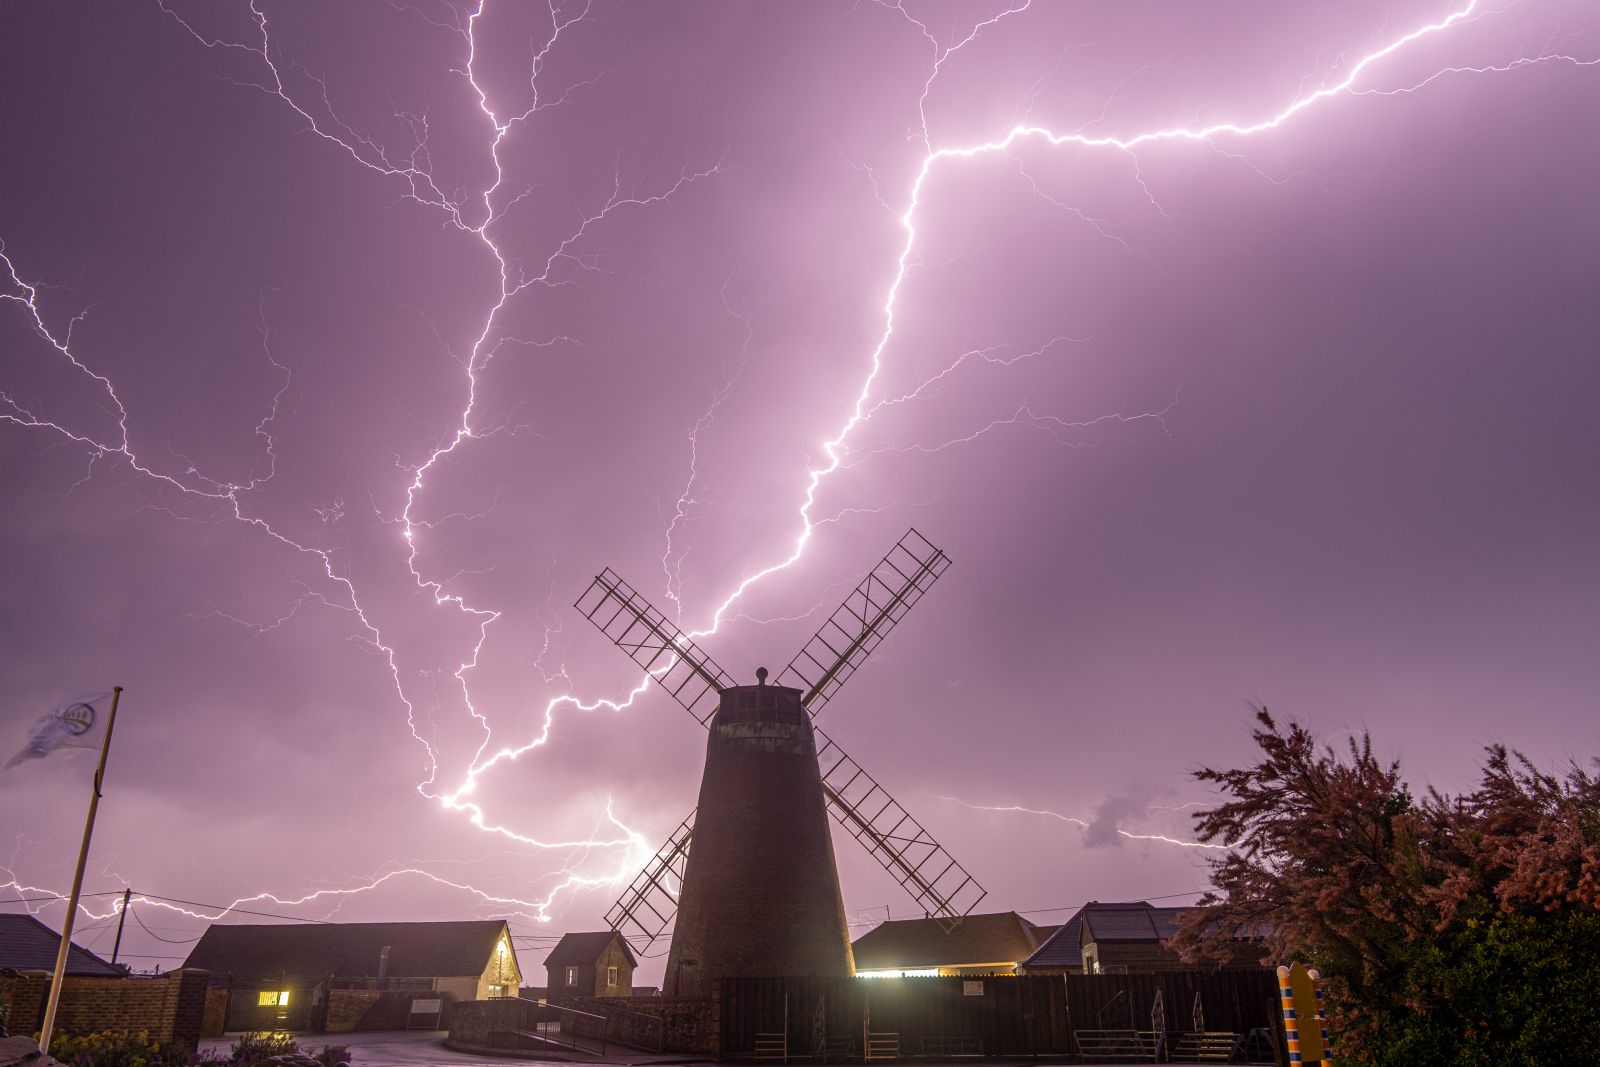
x,y
761,676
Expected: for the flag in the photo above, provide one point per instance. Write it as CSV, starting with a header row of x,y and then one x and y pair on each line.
x,y
77,723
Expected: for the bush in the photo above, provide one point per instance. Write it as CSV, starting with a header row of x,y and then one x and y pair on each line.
x,y
253,1048
113,1049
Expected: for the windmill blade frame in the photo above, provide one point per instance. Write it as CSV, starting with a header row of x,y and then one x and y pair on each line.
x,y
874,607
651,900
928,873
653,641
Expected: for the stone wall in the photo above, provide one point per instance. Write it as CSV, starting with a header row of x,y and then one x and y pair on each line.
x,y
377,1009
169,1008
214,1021
688,1025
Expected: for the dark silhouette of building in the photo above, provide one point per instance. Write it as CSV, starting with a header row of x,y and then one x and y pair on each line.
x,y
983,944
760,891
26,944
1126,937
281,977
598,964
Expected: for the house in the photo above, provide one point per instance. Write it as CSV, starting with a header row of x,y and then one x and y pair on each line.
x,y
598,964
982,944
26,944
1061,952
313,976
1125,937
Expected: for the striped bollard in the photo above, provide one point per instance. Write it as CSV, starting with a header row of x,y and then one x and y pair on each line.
x,y
1290,1025
1304,1024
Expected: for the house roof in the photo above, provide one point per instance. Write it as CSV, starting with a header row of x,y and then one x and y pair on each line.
x,y
585,948
1130,922
1063,947
1002,937
26,944
352,950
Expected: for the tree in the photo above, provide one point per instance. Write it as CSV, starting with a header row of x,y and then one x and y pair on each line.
x,y
1451,930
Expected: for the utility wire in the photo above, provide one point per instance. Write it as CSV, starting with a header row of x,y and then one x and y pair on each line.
x,y
164,940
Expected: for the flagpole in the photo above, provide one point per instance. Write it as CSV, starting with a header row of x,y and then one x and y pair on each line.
x,y
77,884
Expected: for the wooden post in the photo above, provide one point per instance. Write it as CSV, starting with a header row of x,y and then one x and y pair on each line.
x,y
77,884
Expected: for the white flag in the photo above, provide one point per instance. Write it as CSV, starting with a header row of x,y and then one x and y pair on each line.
x,y
78,723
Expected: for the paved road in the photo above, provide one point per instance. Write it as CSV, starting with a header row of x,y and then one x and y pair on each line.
x,y
401,1048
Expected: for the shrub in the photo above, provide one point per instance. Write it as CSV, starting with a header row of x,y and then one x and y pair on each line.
x,y
253,1048
115,1049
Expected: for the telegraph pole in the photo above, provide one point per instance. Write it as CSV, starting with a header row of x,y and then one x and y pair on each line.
x,y
122,917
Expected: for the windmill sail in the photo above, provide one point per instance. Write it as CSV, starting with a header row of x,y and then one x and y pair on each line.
x,y
644,912
856,627
941,887
654,642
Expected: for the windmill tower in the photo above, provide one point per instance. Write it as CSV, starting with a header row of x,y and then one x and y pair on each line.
x,y
760,893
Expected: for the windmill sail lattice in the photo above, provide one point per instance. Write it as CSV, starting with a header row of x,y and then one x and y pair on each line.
x,y
939,885
654,642
652,899
865,618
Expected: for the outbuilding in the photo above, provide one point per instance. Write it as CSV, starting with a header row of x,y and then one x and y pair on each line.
x,y
981,945
26,944
593,964
355,976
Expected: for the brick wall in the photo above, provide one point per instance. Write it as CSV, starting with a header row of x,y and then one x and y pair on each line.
x,y
169,1008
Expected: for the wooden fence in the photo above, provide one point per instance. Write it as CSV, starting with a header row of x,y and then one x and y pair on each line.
x,y
829,1020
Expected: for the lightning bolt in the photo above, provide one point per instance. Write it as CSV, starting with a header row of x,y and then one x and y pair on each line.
x,y
1084,824
476,217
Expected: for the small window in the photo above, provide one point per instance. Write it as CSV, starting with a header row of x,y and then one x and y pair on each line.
x,y
572,976
611,978
279,999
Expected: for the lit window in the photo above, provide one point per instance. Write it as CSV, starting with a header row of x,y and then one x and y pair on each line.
x,y
279,999
611,978
572,976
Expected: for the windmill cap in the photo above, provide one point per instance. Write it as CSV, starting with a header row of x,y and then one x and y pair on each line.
x,y
761,676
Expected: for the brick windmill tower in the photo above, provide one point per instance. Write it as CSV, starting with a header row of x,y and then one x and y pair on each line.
x,y
759,895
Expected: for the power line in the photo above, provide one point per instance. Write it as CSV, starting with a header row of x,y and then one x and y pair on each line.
x,y
164,940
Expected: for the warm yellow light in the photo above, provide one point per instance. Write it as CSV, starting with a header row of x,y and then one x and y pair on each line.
x,y
904,972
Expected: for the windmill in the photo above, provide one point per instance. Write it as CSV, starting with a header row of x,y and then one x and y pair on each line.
x,y
761,893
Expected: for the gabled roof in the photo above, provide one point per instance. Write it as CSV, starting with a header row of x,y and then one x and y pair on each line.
x,y
581,950
26,944
1002,937
352,950
1063,948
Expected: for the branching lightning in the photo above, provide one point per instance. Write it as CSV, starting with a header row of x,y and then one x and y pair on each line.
x,y
476,217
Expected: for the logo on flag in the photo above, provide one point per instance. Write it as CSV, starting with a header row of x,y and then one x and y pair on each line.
x,y
78,723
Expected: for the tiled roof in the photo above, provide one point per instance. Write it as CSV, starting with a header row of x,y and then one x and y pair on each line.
x,y
351,950
26,944
1063,948
1125,922
1003,937
585,948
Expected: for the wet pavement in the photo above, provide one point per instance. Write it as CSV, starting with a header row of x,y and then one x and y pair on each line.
x,y
419,1048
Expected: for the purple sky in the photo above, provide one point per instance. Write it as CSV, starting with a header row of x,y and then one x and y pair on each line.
x,y
1303,416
